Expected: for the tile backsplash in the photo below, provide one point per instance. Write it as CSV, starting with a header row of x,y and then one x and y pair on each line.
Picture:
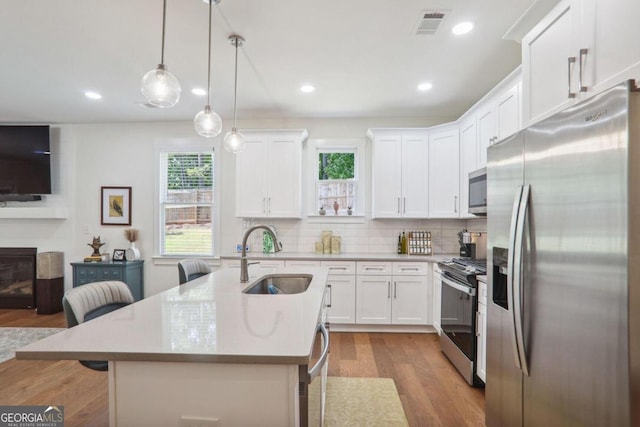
x,y
368,236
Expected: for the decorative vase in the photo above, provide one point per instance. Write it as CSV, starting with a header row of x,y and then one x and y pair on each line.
x,y
336,206
322,211
132,253
349,211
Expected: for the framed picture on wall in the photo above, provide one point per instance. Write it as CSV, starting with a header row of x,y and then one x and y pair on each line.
x,y
115,208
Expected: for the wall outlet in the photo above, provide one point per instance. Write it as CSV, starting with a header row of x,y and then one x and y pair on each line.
x,y
188,421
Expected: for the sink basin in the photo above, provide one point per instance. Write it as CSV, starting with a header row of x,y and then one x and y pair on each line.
x,y
277,284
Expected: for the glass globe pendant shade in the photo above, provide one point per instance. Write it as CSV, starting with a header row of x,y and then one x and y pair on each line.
x,y
208,123
161,88
234,141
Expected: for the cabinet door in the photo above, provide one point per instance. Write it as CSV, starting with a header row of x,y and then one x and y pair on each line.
x,y
341,294
373,299
251,168
283,177
468,162
437,289
444,174
610,34
387,173
415,176
481,327
411,304
508,113
487,133
548,77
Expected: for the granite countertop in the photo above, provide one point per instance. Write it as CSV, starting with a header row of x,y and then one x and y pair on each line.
x,y
310,256
205,320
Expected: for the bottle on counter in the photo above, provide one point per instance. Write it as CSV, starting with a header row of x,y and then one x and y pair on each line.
x,y
405,243
399,243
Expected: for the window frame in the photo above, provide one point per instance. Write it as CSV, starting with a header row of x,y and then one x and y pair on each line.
x,y
185,145
351,145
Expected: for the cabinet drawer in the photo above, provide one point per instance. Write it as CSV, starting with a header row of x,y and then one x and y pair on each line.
x,y
410,269
482,293
339,267
374,268
109,274
302,264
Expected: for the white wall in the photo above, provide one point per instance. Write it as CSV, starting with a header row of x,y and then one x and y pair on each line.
x,y
122,154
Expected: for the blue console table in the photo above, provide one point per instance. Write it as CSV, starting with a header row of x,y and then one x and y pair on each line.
x,y
129,272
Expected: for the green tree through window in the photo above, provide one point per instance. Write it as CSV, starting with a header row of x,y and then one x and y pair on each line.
x,y
336,166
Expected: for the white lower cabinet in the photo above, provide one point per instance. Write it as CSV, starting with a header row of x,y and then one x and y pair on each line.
x,y
397,299
481,333
341,291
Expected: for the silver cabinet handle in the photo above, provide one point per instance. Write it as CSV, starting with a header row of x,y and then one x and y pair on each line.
x,y
264,205
395,289
398,204
269,205
409,269
313,372
583,54
388,290
337,268
478,324
570,61
330,296
374,268
404,205
455,204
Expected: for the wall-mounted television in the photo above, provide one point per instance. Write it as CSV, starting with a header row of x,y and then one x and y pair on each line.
x,y
25,167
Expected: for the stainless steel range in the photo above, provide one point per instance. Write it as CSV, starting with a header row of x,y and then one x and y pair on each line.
x,y
459,305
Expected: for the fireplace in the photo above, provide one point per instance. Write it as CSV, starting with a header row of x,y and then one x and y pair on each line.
x,y
17,277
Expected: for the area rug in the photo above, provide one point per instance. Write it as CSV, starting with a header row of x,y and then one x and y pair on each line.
x,y
14,338
366,402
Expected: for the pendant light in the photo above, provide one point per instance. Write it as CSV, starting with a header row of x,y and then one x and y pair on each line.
x,y
207,122
234,140
159,86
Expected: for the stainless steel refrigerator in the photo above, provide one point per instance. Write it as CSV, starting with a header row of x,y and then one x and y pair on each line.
x,y
563,227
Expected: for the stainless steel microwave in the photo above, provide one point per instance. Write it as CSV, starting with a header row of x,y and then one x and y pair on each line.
x,y
478,192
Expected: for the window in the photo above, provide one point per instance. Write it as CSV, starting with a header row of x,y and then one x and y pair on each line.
x,y
187,203
335,169
336,189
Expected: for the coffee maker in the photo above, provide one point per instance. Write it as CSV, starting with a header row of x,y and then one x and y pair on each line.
x,y
472,245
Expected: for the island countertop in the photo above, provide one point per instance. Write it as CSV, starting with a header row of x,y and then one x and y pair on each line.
x,y
205,320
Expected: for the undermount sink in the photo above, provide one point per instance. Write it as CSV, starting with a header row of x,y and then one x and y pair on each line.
x,y
278,284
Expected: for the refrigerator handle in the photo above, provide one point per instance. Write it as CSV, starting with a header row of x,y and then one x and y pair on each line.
x,y
511,262
517,279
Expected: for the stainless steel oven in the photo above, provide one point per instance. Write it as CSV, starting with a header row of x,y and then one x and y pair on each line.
x,y
459,304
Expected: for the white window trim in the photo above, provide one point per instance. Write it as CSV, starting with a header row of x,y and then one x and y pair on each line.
x,y
356,145
177,145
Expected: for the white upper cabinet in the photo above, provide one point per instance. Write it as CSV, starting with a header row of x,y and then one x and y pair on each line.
x,y
444,173
269,174
468,161
400,175
549,62
579,49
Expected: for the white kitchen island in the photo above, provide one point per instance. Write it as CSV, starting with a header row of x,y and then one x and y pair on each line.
x,y
202,351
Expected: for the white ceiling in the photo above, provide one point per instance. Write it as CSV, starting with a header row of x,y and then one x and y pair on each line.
x,y
363,57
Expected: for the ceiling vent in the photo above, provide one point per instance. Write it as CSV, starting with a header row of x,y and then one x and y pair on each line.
x,y
430,21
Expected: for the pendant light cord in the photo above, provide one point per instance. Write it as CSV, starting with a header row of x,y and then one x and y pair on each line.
x,y
235,87
164,21
209,60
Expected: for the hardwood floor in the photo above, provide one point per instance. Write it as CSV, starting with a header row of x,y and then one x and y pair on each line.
x,y
431,390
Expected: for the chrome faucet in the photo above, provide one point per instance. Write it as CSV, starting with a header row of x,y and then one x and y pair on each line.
x,y
244,265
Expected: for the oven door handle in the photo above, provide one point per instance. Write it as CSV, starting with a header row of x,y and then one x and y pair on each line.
x,y
315,370
462,288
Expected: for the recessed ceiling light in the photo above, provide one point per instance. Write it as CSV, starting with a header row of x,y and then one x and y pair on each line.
x,y
198,91
92,95
307,88
423,87
462,28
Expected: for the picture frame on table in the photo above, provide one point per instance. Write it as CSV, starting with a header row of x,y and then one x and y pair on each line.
x,y
115,205
118,255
